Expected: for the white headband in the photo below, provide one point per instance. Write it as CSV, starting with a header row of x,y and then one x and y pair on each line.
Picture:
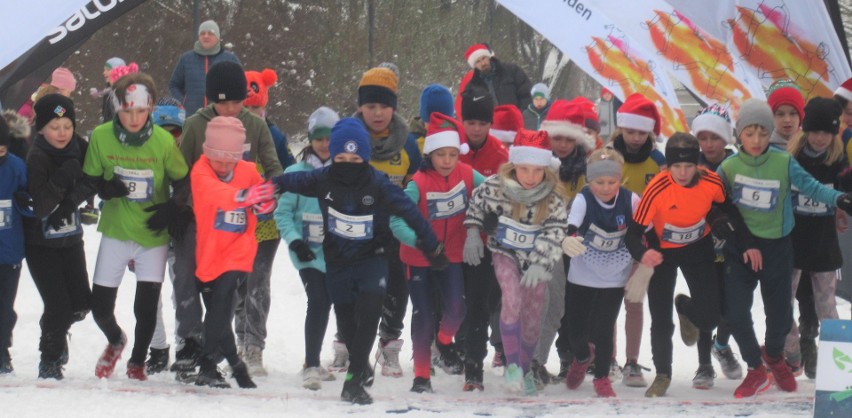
x,y
136,97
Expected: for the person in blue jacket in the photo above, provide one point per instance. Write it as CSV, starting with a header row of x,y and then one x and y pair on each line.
x,y
187,83
356,202
14,202
300,221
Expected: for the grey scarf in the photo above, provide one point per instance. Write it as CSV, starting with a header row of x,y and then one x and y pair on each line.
x,y
383,149
207,52
515,192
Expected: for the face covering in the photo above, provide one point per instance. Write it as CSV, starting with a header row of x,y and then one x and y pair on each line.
x,y
350,173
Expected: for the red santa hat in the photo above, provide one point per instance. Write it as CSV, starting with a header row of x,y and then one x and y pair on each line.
x,y
845,90
568,119
444,131
639,113
533,148
475,52
508,120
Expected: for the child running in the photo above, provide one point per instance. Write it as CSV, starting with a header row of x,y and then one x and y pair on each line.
x,y
760,180
356,201
525,202
599,215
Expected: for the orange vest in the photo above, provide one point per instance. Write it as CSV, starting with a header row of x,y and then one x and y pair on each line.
x,y
225,238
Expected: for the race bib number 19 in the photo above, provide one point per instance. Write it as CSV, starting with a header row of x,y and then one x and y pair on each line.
x,y
604,241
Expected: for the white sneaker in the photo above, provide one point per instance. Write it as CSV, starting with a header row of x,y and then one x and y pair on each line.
x,y
311,378
341,358
388,356
253,356
325,375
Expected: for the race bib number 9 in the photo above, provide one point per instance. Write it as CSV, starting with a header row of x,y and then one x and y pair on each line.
x,y
756,194
234,221
604,241
140,183
313,230
445,205
349,226
5,214
805,205
515,235
683,235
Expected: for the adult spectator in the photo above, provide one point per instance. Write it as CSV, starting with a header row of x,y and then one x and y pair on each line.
x,y
505,82
190,74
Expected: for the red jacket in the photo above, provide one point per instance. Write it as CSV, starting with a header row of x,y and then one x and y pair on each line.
x,y
487,159
225,237
445,213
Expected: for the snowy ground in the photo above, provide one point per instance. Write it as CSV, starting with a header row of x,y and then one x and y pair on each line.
x,y
280,394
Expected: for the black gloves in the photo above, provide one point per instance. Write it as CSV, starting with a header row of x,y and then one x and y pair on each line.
x,y
720,224
436,257
113,188
303,251
62,212
489,224
67,173
844,202
23,200
169,215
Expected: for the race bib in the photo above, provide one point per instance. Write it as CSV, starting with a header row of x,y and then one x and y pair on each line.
x,y
140,183
349,226
756,194
69,227
515,235
234,221
604,241
804,205
5,214
683,235
313,229
446,204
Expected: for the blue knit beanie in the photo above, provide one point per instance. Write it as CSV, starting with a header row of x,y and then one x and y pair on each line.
x,y
349,135
436,98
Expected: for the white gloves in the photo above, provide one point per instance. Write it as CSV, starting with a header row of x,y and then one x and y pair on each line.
x,y
637,284
474,249
573,246
535,274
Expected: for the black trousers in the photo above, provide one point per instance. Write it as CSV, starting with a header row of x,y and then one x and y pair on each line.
x,y
316,317
591,314
219,297
10,275
723,331
396,299
696,261
62,281
482,299
144,308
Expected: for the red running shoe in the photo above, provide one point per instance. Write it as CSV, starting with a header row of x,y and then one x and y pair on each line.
x,y
603,387
136,371
110,356
756,381
780,371
577,371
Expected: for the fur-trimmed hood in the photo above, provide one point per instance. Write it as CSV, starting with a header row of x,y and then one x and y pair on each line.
x,y
19,126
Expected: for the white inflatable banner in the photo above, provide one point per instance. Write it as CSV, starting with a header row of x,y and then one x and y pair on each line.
x,y
23,24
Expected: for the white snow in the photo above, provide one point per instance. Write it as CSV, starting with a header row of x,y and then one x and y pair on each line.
x,y
280,394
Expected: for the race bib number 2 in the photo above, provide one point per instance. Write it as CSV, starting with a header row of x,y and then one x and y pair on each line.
x,y
139,183
350,226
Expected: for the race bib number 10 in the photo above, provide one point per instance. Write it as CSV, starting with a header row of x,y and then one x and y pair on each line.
x,y
515,235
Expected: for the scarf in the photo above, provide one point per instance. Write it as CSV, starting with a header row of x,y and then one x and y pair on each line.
x,y
209,51
573,167
133,139
385,147
630,157
59,156
354,175
810,152
516,193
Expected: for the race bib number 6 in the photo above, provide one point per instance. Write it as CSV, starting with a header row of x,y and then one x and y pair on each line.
x,y
140,183
515,235
756,194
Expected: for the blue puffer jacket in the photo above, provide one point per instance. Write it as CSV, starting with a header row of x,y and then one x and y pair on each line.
x,y
362,210
292,209
13,178
190,76
282,148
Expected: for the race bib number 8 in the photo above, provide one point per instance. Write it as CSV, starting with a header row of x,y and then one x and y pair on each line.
x,y
313,230
140,183
515,235
446,204
756,194
683,235
231,221
604,241
349,226
805,205
5,214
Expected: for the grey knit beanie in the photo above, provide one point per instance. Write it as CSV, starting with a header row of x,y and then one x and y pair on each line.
x,y
320,123
755,112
